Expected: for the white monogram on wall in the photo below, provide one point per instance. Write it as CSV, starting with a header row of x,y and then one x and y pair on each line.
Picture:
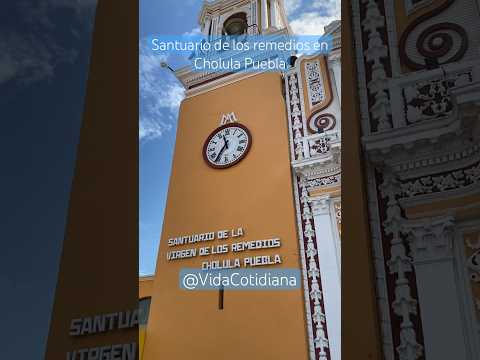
x,y
228,119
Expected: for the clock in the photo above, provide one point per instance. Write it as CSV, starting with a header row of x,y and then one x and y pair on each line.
x,y
227,146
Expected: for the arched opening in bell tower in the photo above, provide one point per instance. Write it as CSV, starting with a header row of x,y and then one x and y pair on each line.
x,y
236,24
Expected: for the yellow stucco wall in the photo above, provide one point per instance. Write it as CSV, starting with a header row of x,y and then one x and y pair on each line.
x,y
255,194
145,286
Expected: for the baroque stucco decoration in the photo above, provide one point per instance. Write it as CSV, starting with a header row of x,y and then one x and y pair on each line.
x,y
420,137
315,153
436,42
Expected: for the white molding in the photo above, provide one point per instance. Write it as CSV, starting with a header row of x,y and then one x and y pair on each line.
x,y
219,83
419,200
327,248
431,239
439,161
361,74
306,294
320,205
336,234
391,20
379,264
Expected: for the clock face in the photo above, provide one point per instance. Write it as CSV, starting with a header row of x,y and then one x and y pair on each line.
x,y
227,145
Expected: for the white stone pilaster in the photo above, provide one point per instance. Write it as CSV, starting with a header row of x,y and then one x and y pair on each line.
x,y
329,271
215,25
431,244
255,30
273,14
337,75
207,26
264,15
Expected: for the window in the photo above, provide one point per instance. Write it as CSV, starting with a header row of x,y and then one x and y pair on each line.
x,y
144,307
236,24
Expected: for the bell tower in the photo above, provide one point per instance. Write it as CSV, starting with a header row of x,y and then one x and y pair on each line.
x,y
240,138
254,17
233,18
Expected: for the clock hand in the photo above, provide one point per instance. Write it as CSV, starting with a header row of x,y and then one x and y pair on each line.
x,y
224,147
226,141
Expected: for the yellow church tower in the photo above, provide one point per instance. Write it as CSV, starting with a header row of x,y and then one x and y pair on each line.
x,y
257,156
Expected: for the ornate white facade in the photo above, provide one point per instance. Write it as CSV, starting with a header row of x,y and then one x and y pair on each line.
x,y
419,95
313,106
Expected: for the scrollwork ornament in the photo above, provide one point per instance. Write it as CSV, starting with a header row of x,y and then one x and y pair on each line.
x,y
319,122
473,262
436,42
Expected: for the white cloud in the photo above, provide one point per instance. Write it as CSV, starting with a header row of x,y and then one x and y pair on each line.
x,y
329,7
160,96
313,21
292,5
310,24
194,31
150,129
34,53
27,58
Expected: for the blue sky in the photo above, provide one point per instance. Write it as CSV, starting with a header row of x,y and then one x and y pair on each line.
x,y
161,94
